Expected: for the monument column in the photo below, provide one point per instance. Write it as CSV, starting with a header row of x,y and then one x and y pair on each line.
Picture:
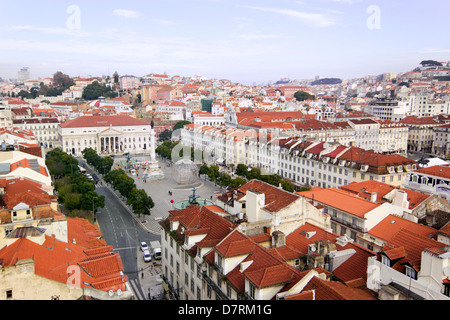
x,y
153,171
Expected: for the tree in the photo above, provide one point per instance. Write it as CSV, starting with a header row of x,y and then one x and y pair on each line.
x,y
224,180
106,164
302,96
237,182
180,125
204,169
213,173
165,135
92,201
95,90
242,170
430,63
61,80
140,201
116,77
287,186
72,201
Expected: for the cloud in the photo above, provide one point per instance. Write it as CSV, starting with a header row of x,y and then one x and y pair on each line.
x,y
164,22
51,30
250,36
346,1
317,20
128,14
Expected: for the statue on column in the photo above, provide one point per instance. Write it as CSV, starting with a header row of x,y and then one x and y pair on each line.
x,y
153,170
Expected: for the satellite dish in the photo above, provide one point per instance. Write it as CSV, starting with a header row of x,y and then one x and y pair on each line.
x,y
111,293
447,272
119,292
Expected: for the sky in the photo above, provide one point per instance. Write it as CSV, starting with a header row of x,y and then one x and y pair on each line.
x,y
248,41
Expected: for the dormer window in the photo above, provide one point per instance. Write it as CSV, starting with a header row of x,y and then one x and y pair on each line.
x,y
252,291
219,261
410,272
385,260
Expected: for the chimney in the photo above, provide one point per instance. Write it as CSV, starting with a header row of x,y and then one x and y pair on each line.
x,y
255,200
401,199
278,239
373,196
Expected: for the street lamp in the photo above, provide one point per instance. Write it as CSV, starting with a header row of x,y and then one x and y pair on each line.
x,y
93,208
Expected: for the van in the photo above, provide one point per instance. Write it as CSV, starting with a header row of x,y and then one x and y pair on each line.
x,y
147,256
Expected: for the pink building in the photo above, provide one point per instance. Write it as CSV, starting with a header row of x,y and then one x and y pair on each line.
x,y
129,82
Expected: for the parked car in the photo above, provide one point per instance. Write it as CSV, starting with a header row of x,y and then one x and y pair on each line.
x,y
147,256
144,246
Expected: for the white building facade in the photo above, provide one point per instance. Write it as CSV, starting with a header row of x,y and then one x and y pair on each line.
x,y
105,135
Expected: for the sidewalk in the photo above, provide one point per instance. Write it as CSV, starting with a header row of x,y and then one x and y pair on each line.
x,y
149,277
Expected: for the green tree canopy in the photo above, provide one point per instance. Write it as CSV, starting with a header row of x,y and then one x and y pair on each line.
x,y
180,125
95,90
302,96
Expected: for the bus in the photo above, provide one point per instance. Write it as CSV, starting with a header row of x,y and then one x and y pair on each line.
x,y
83,170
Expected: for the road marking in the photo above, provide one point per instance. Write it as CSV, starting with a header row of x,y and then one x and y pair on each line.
x,y
128,248
135,289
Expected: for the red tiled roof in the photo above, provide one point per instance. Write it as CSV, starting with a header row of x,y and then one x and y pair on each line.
x,y
413,245
84,233
53,258
103,121
355,267
275,198
334,290
201,219
364,190
387,228
341,200
442,171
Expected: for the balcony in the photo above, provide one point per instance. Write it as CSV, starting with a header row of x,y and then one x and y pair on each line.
x,y
172,290
219,294
349,224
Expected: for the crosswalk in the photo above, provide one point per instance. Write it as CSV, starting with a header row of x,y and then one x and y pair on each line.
x,y
134,287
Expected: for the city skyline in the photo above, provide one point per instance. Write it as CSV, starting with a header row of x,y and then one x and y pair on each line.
x,y
245,41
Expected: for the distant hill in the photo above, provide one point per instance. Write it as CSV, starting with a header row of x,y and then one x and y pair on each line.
x,y
326,81
430,63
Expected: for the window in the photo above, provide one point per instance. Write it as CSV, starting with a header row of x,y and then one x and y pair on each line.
x,y
410,272
386,261
252,291
228,290
447,290
9,294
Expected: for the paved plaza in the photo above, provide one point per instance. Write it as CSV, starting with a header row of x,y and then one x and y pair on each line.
x,y
159,191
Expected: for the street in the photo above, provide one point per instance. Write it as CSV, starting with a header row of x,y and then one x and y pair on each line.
x,y
124,231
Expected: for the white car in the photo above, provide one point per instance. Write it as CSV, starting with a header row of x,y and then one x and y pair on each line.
x,y
144,246
147,256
